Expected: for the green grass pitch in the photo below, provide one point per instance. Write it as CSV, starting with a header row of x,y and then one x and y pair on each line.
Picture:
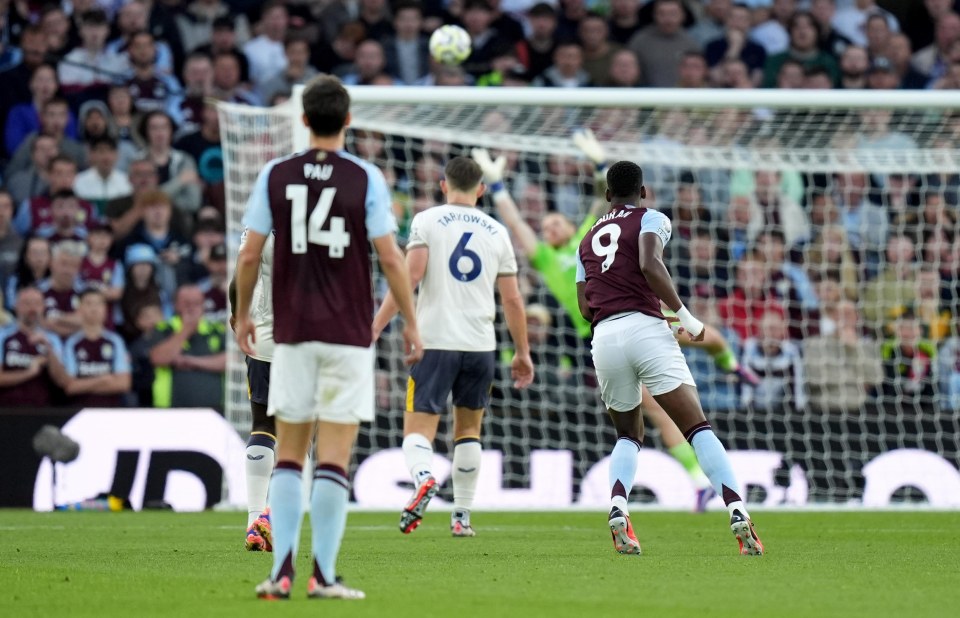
x,y
519,564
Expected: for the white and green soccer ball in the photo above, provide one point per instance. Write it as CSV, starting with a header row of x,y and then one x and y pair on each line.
x,y
450,45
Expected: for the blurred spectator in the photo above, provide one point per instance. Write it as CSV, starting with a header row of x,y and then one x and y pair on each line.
x,y
25,119
597,48
738,220
830,295
660,45
733,73
203,146
156,232
866,223
96,122
214,285
56,27
95,358
854,65
878,35
804,48
900,53
693,71
788,282
61,290
55,117
226,80
851,21
147,318
133,18
734,43
150,89
687,213
932,61
224,40
790,76
934,318
503,22
745,307
120,212
31,369
895,286
567,69
770,29
571,13
882,75
770,208
98,270
712,21
777,362
66,214
298,71
196,23
123,115
542,41
716,388
36,213
208,233
188,356
197,87
948,369
33,266
89,65
102,181
624,70
10,241
407,55
920,23
374,15
369,64
817,78
908,362
265,52
624,20
176,170
842,369
831,41
830,258
701,273
32,182
16,79
487,41
140,289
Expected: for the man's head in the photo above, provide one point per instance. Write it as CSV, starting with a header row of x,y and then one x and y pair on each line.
x,y
948,31
198,73
43,83
65,208
773,327
625,183
34,45
543,21
43,150
693,71
29,307
738,18
462,176
54,117
854,62
157,208
132,17
823,11
568,58
772,247
900,250
668,16
370,60
790,75
142,50
189,303
326,106
99,237
624,69
92,308
142,174
767,183
593,32
226,70
907,329
94,29
557,230
804,32
297,51
65,259
224,35
216,263
275,21
103,155
476,16
407,19
751,277
148,316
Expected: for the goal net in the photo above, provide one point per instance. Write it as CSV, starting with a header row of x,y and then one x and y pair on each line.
x,y
816,232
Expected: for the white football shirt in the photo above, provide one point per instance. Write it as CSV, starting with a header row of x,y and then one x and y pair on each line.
x,y
468,250
261,307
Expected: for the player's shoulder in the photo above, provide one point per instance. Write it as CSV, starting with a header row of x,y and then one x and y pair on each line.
x,y
8,331
73,340
114,338
371,169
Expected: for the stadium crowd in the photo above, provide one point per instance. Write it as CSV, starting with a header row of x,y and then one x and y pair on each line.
x,y
112,206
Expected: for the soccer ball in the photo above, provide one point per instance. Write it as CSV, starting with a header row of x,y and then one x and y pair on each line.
x,y
450,45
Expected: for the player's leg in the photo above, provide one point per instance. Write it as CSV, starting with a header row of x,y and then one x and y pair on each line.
x,y
428,387
293,374
678,447
683,406
260,457
471,394
346,389
620,391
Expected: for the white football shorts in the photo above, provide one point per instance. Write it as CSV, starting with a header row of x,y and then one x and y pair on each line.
x,y
313,381
633,349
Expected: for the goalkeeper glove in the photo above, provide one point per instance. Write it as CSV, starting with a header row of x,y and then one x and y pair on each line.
x,y
590,147
492,169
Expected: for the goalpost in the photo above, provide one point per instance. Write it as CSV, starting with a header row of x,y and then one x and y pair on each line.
x,y
859,167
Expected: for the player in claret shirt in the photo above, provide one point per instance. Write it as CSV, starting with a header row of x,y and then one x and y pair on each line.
x,y
95,358
621,280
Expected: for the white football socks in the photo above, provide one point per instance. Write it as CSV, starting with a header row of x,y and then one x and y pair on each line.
x,y
418,453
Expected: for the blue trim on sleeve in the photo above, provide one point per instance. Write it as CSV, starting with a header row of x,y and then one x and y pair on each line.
x,y
379,204
70,356
121,358
259,216
581,271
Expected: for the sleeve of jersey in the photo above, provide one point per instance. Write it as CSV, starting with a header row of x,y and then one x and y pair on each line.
x,y
508,259
119,279
121,358
581,271
55,344
380,219
655,222
70,360
258,216
417,236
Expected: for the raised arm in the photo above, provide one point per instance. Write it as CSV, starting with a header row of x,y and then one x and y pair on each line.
x,y
593,150
516,317
506,208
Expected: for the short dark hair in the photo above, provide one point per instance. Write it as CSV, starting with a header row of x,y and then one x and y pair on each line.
x,y
61,158
91,291
462,173
102,140
326,104
56,100
407,5
625,179
63,194
483,5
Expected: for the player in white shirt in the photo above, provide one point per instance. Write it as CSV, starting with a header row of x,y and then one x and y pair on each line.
x,y
458,255
263,433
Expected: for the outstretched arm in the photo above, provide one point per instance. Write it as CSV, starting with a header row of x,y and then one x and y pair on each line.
x,y
593,150
506,208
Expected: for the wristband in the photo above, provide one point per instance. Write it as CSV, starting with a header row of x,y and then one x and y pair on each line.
x,y
497,187
600,167
690,324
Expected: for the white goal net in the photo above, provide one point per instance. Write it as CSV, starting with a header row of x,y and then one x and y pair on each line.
x,y
818,232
